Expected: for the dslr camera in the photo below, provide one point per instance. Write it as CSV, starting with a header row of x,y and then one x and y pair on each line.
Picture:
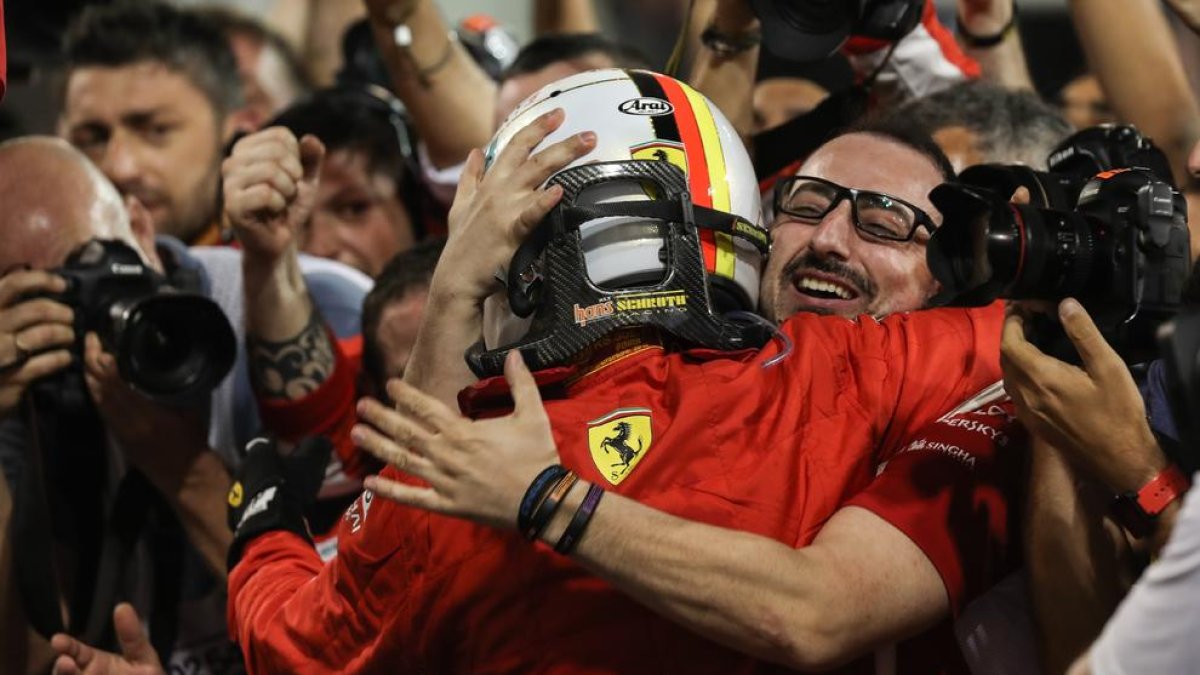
x,y
172,346
1105,226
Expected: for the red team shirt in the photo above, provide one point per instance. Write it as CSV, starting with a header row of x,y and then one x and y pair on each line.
x,y
719,439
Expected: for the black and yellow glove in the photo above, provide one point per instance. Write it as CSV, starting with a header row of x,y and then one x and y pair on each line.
x,y
271,491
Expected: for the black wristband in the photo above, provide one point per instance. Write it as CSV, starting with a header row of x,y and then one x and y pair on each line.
x,y
549,506
536,493
985,41
579,522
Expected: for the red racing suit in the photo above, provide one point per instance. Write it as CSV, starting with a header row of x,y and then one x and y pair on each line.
x,y
720,439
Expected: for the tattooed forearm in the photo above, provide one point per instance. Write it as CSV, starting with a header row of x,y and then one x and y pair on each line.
x,y
295,367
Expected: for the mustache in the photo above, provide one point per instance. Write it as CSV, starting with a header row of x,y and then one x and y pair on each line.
x,y
810,261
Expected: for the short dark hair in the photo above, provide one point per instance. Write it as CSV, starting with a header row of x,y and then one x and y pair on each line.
x,y
1010,125
558,47
351,118
406,272
128,32
236,22
908,135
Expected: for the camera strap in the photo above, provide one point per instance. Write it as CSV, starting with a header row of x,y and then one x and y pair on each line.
x,y
33,552
59,500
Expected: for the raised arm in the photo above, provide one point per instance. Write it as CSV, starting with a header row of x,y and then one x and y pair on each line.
x,y
989,34
448,96
726,75
1131,50
491,215
270,184
1091,440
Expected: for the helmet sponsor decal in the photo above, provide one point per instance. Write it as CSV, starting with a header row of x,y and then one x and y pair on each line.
x,y
646,105
638,302
619,440
600,310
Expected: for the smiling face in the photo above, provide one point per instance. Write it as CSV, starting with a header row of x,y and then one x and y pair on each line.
x,y
829,267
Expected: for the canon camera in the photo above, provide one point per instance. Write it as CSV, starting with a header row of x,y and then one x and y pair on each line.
x,y
172,346
1117,240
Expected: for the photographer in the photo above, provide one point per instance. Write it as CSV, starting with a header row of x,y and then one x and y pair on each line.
x,y
38,334
1092,440
183,451
1095,434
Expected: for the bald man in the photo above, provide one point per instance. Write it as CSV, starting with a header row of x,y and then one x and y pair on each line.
x,y
55,200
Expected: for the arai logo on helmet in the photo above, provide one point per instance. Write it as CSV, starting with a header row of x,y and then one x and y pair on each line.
x,y
646,105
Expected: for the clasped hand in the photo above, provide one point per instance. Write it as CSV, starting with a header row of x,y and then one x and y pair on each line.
x,y
1093,413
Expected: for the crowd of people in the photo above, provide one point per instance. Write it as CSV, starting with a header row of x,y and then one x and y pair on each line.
x,y
351,339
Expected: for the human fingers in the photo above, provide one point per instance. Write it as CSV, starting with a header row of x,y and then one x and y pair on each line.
x,y
1015,348
245,205
1099,358
65,665
424,498
468,184
42,337
312,152
471,174
99,369
536,211
1021,196
386,450
399,428
265,147
270,172
538,169
524,141
34,312
135,646
98,362
73,651
18,284
424,408
39,366
526,398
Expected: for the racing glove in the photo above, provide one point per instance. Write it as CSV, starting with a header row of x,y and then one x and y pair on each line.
x,y
271,491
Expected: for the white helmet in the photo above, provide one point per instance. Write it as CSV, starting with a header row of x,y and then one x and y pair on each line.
x,y
665,206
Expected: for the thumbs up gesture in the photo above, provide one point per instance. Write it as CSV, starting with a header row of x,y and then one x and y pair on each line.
x,y
270,186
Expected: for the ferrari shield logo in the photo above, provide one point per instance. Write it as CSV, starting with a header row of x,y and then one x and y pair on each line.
x,y
664,151
619,440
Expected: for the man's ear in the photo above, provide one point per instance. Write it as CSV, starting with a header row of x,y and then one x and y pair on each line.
x,y
143,230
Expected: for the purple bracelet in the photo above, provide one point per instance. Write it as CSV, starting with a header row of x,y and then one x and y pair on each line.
x,y
579,522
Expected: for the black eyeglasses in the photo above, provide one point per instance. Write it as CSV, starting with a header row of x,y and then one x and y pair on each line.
x,y
874,214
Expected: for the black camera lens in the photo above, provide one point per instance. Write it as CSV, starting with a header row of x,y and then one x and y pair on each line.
x,y
988,248
174,347
1046,190
1054,251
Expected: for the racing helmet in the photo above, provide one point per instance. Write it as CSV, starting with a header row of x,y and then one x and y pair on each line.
x,y
659,225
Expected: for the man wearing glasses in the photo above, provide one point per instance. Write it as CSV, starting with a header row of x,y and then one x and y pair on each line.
x,y
849,230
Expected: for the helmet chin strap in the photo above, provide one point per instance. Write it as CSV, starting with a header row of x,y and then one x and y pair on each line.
x,y
548,276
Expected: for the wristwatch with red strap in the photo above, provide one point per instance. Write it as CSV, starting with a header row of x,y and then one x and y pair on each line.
x,y
1136,511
